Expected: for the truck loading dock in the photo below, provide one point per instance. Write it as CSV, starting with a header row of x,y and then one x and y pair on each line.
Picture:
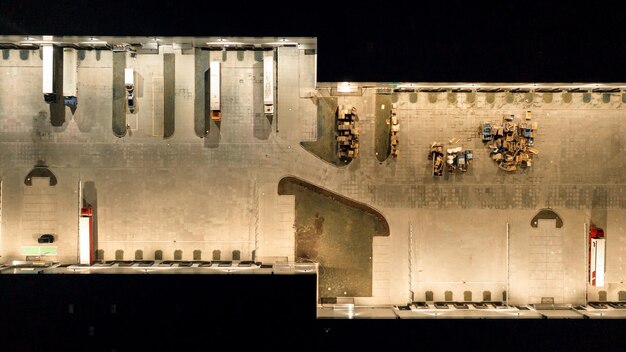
x,y
196,196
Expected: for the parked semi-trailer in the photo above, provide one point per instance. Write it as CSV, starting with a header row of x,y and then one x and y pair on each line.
x,y
49,95
597,251
214,90
268,83
85,236
70,77
129,81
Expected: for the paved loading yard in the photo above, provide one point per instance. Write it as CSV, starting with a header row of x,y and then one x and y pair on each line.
x,y
220,193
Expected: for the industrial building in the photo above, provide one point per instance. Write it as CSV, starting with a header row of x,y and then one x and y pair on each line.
x,y
220,166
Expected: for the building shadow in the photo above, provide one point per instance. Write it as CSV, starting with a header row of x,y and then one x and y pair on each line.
x,y
212,139
57,108
40,170
262,126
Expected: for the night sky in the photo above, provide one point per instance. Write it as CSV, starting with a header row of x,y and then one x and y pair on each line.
x,y
434,41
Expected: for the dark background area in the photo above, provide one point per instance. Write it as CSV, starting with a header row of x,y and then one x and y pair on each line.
x,y
154,312
255,312
417,41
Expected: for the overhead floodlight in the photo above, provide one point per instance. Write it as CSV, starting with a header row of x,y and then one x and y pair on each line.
x,y
224,42
93,41
182,46
282,42
347,87
33,42
29,40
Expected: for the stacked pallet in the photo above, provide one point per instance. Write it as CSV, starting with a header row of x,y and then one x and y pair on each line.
x,y
436,155
395,128
347,132
456,159
511,143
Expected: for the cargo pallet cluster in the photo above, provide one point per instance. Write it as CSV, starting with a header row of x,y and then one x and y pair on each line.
x,y
395,128
511,143
347,133
455,160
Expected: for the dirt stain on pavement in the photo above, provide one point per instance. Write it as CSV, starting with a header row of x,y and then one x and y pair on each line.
x,y
337,233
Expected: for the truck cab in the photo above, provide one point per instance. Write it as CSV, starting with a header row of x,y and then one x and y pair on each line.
x,y
129,81
486,132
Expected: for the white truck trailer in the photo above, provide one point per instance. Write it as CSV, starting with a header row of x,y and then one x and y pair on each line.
x,y
85,237
268,83
596,262
70,77
129,82
215,83
49,94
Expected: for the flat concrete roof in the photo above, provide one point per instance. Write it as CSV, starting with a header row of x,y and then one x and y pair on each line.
x,y
169,182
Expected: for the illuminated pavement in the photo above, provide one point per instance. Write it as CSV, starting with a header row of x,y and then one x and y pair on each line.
x,y
219,193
